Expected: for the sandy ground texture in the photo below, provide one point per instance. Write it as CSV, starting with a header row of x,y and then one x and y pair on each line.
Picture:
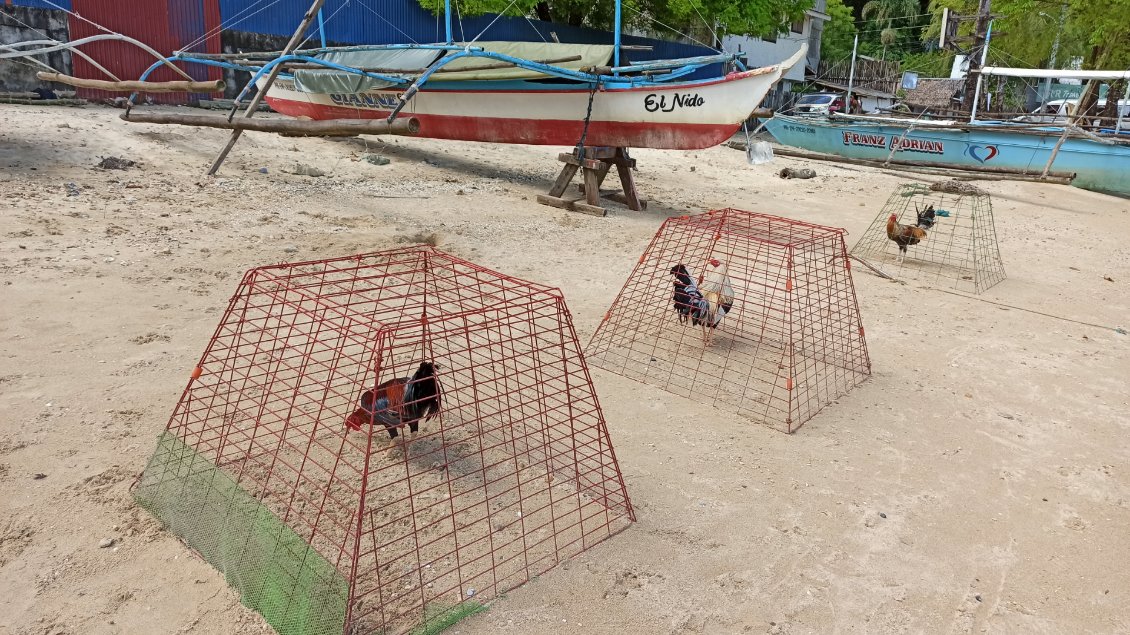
x,y
978,482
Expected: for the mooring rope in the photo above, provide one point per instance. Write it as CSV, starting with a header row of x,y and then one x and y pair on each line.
x,y
588,118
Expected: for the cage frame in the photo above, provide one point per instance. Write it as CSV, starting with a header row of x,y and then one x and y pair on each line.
x,y
594,463
977,265
700,236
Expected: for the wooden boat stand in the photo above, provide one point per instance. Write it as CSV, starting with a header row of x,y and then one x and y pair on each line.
x,y
595,166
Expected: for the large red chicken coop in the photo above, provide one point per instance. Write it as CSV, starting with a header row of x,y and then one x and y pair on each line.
x,y
329,527
790,342
957,246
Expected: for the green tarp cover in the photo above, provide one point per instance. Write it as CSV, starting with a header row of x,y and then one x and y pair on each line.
x,y
410,62
407,61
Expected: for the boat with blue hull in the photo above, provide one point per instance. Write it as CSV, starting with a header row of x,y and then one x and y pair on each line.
x,y
1099,162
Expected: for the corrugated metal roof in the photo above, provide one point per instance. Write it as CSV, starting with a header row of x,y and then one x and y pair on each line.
x,y
165,25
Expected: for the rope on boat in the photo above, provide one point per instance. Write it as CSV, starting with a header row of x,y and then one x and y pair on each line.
x,y
588,118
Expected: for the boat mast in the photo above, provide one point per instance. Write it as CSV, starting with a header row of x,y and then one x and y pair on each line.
x,y
322,28
447,18
616,36
851,74
984,57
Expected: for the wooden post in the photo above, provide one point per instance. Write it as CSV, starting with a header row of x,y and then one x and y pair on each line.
x,y
262,92
975,55
1055,151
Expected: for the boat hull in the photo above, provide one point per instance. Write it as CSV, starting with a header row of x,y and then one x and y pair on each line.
x,y
683,116
1097,166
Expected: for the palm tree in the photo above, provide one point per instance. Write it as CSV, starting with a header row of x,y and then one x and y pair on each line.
x,y
887,11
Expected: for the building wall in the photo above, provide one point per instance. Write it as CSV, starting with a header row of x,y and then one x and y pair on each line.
x,y
23,23
765,52
164,25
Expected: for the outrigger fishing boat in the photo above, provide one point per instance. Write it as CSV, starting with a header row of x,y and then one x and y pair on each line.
x,y
545,93
1093,160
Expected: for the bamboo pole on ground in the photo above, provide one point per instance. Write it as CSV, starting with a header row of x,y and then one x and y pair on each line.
x,y
307,20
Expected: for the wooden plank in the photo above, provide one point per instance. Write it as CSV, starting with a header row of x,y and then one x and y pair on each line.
x,y
632,200
563,180
600,152
592,188
586,208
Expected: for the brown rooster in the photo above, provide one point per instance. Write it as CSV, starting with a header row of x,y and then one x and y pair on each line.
x,y
905,235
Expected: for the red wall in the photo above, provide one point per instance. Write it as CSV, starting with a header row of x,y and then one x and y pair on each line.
x,y
165,25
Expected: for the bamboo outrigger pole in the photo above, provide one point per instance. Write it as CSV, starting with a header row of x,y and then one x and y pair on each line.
x,y
307,20
133,86
334,127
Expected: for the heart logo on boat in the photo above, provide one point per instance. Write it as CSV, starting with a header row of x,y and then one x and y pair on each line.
x,y
981,154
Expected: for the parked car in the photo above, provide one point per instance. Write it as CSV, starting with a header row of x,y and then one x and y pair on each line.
x,y
820,104
1058,111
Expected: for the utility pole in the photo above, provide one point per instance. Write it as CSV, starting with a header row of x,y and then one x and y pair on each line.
x,y
976,56
1055,50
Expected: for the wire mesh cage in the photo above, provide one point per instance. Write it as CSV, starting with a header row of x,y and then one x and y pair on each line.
x,y
789,342
293,464
954,241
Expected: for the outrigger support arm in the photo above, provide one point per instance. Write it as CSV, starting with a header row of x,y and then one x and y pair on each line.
x,y
250,112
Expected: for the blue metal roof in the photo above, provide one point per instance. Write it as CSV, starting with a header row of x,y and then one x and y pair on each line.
x,y
41,4
405,21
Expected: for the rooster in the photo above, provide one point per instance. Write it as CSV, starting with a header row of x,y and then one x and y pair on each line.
x,y
905,235
686,296
400,402
718,294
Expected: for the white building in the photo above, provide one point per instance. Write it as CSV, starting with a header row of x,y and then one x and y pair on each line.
x,y
772,50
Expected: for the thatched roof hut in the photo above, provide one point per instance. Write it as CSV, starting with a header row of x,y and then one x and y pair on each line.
x,y
934,93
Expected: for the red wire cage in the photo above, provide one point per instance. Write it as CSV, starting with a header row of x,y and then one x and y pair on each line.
x,y
326,529
792,342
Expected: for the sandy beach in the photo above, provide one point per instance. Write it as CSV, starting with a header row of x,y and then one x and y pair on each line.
x,y
978,482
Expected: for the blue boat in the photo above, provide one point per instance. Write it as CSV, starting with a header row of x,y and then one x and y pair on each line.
x,y
1099,162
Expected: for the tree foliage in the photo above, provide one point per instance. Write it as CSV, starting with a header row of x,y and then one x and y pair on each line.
x,y
725,17
839,31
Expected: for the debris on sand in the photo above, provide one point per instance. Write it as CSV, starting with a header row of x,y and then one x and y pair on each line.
x,y
956,187
376,159
431,239
301,169
799,173
116,163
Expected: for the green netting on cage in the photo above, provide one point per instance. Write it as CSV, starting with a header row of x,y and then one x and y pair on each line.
x,y
276,572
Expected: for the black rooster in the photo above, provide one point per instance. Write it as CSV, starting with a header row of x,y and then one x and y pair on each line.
x,y
686,297
399,402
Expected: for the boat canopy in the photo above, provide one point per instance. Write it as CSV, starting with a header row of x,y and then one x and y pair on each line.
x,y
1051,73
413,61
391,61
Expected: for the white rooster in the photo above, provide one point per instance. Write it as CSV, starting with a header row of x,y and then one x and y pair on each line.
x,y
718,292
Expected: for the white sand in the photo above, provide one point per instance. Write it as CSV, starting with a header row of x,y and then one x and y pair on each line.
x,y
994,440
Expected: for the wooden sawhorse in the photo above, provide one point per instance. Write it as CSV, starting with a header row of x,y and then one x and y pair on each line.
x,y
595,167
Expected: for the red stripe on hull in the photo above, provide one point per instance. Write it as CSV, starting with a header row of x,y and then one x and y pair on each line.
x,y
546,132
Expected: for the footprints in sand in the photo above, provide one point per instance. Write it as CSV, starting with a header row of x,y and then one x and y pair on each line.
x,y
632,580
149,337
